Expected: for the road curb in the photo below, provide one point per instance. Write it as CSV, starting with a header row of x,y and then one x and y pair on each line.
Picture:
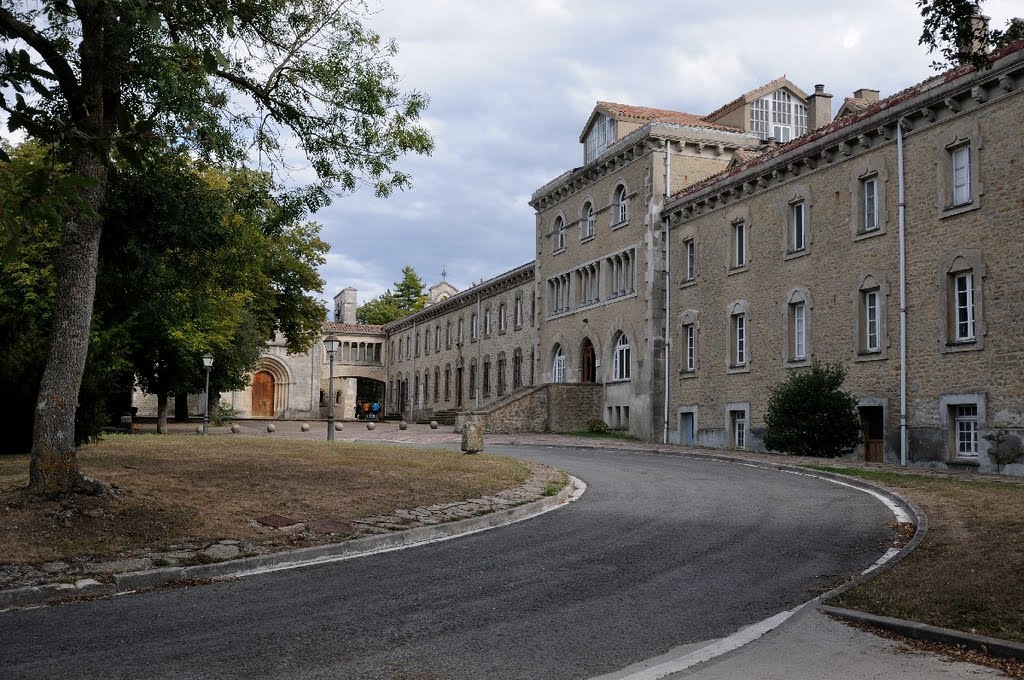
x,y
922,631
321,554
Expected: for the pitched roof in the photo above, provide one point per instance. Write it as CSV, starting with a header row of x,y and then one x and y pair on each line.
x,y
756,93
362,328
853,105
647,114
846,121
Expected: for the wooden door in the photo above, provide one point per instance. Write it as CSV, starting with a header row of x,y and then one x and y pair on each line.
x,y
263,395
588,363
873,432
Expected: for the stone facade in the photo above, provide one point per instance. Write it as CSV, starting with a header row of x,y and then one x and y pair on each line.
x,y
795,256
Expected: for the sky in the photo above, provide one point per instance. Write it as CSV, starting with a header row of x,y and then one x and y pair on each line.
x,y
511,85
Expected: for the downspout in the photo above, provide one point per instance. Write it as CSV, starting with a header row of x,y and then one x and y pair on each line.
x,y
415,378
479,346
668,280
903,295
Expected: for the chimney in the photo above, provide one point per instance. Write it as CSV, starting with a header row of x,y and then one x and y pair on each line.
x,y
345,306
866,94
819,108
977,41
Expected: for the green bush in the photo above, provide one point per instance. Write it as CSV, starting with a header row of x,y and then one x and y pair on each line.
x,y
223,414
598,426
1005,450
809,415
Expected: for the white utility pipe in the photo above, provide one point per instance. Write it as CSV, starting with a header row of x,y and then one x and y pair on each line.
x,y
668,282
903,296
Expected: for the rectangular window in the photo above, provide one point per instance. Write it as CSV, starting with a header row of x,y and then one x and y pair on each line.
x,y
474,327
759,117
690,333
448,335
797,234
501,317
487,322
799,331
739,244
519,312
690,249
872,341
739,326
739,429
967,431
437,338
462,331
869,195
965,307
961,161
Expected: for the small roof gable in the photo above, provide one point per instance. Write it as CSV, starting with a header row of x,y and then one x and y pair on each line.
x,y
853,105
757,93
646,114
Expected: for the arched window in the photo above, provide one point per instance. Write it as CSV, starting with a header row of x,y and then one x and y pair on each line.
x,y
559,234
437,381
620,212
620,358
558,366
587,220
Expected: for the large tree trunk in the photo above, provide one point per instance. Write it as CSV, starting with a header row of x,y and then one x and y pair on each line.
x,y
181,408
161,412
54,470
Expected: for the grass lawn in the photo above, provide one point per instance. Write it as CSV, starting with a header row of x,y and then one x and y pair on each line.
x,y
188,489
968,573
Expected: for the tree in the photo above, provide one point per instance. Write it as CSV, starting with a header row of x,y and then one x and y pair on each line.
x,y
953,29
196,259
809,415
106,80
409,297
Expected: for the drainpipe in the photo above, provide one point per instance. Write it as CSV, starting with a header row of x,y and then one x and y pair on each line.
x,y
903,296
668,287
479,346
412,407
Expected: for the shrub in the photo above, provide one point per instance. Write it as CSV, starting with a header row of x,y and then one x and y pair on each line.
x,y
598,426
223,414
1005,449
809,415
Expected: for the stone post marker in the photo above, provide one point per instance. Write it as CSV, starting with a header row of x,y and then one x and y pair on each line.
x,y
472,437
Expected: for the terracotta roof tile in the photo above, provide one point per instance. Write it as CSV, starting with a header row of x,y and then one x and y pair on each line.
x,y
648,114
846,121
853,105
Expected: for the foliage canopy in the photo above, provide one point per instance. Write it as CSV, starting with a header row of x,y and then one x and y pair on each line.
x,y
809,415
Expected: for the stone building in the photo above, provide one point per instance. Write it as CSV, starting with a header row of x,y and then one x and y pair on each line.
x,y
796,255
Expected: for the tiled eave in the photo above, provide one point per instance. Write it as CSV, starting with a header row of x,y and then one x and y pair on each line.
x,y
337,327
917,107
519,276
636,145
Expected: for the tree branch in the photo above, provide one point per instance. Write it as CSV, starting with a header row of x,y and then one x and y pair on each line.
x,y
12,27
30,123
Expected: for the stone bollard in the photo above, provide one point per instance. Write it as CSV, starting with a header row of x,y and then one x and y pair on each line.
x,y
199,429
403,425
235,429
370,425
304,427
271,427
472,437
339,426
433,424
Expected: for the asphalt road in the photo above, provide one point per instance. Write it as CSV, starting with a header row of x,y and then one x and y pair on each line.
x,y
661,551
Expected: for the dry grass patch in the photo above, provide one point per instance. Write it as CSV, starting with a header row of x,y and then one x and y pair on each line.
x,y
188,489
966,574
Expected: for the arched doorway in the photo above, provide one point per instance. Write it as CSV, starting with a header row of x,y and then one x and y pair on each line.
x,y
263,395
588,362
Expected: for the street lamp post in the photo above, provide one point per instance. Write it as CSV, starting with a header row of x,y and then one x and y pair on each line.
x,y
208,363
331,345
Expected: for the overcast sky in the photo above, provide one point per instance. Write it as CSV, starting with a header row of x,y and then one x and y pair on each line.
x,y
512,83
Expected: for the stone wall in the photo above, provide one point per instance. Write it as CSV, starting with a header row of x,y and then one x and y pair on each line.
x,y
556,407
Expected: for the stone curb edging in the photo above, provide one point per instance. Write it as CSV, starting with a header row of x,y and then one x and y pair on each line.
x,y
922,631
320,554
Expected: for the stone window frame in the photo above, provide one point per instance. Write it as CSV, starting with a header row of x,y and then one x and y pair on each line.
x,y
948,404
737,309
472,378
738,217
864,284
952,264
437,337
732,410
474,327
588,220
799,195
401,349
502,317
868,169
499,374
486,377
796,295
690,319
460,336
488,322
965,132
619,202
558,230
622,357
517,316
447,382
558,362
437,383
517,368
416,347
426,340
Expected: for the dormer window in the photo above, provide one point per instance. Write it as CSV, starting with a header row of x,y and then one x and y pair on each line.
x,y
600,137
779,115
